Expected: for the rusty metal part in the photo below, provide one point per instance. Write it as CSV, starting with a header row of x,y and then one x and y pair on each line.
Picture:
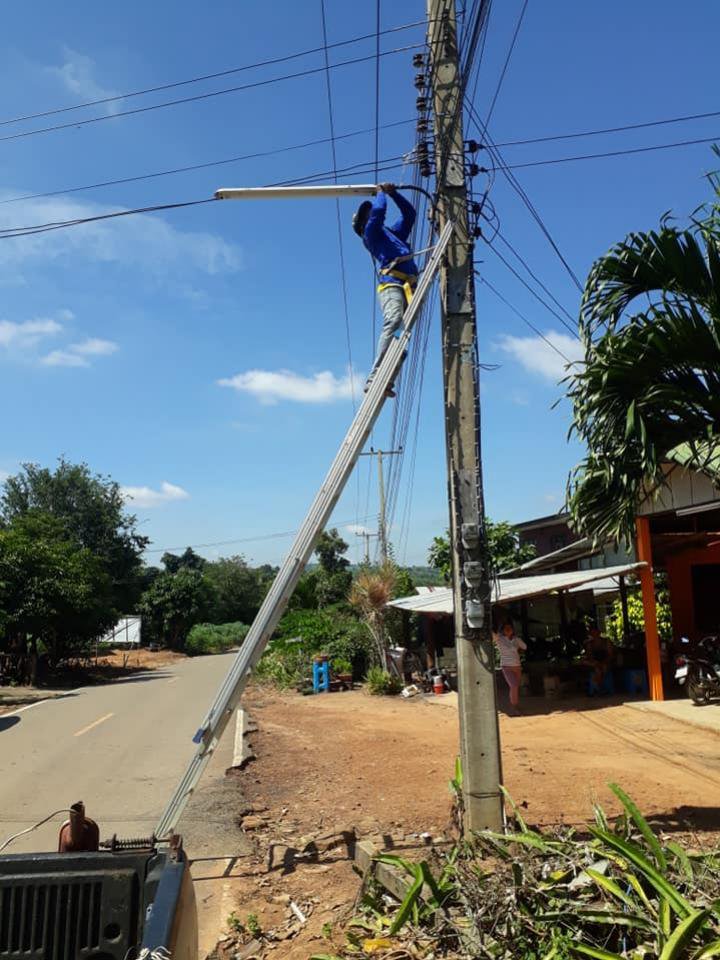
x,y
79,834
121,844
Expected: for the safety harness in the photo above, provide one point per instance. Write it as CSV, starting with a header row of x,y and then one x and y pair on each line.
x,y
409,280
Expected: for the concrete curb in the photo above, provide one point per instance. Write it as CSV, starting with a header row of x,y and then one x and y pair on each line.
x,y
242,751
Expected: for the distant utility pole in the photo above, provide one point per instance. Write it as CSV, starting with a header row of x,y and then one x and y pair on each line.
x,y
382,523
479,736
367,536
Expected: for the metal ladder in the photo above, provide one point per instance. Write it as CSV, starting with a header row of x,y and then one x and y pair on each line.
x,y
274,604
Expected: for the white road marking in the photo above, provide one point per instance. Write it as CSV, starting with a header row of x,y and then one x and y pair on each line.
x,y
95,723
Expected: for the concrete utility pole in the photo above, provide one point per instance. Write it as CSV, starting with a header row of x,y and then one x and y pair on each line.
x,y
382,522
479,736
367,537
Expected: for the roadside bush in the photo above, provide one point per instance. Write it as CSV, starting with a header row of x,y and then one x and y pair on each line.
x,y
333,631
381,683
214,638
285,666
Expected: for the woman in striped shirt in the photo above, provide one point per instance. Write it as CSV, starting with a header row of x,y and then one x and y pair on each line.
x,y
510,646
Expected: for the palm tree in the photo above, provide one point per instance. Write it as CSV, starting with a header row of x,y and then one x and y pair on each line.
x,y
370,593
648,392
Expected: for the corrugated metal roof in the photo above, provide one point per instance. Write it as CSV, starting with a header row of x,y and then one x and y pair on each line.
x,y
440,600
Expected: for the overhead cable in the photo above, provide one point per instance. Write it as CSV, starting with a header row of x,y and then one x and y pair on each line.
x,y
507,61
199,166
641,125
525,320
273,61
202,96
612,153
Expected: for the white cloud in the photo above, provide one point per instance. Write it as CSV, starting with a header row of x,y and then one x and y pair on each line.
x,y
144,241
270,386
538,356
147,497
358,529
63,358
77,75
28,332
94,347
76,355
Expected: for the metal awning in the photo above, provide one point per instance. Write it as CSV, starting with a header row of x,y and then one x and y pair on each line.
x,y
440,600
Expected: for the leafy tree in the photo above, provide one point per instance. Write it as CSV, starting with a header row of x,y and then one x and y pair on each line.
x,y
648,391
636,616
330,549
55,595
174,603
91,508
239,590
187,560
333,579
504,549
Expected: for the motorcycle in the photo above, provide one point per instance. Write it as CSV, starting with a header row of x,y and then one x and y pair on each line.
x,y
699,671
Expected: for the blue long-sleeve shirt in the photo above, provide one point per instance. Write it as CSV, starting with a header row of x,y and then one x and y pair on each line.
x,y
387,243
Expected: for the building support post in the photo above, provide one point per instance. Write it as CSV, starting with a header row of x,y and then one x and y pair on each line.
x,y
652,640
624,607
479,734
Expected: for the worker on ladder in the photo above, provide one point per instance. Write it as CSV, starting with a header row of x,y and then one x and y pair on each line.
x,y
397,270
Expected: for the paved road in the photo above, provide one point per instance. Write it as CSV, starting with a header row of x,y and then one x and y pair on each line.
x,y
121,749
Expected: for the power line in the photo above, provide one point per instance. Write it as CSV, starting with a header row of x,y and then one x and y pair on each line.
x,y
525,320
266,536
203,96
341,250
621,129
507,61
537,280
515,184
208,76
613,153
531,290
22,231
200,166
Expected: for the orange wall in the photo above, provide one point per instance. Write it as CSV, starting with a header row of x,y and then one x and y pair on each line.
x,y
680,585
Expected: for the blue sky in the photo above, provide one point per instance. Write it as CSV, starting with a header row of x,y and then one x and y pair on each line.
x,y
115,338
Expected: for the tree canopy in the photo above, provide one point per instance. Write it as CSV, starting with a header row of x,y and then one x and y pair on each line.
x,y
650,381
91,509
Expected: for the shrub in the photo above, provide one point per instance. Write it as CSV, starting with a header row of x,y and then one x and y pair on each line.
x,y
381,683
341,666
214,638
286,666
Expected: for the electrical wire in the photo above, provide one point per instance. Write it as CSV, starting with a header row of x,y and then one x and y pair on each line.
x,y
537,280
525,320
531,290
341,249
641,125
22,833
515,184
267,536
22,231
202,96
273,61
613,153
505,65
201,166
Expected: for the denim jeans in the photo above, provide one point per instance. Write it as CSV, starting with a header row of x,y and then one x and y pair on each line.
x,y
392,304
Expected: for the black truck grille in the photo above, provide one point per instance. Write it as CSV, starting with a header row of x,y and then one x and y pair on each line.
x,y
59,921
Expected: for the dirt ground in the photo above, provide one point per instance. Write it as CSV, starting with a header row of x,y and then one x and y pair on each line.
x,y
113,666
331,765
140,658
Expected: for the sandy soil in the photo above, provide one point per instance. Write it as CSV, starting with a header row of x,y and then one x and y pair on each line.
x,y
333,764
141,658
